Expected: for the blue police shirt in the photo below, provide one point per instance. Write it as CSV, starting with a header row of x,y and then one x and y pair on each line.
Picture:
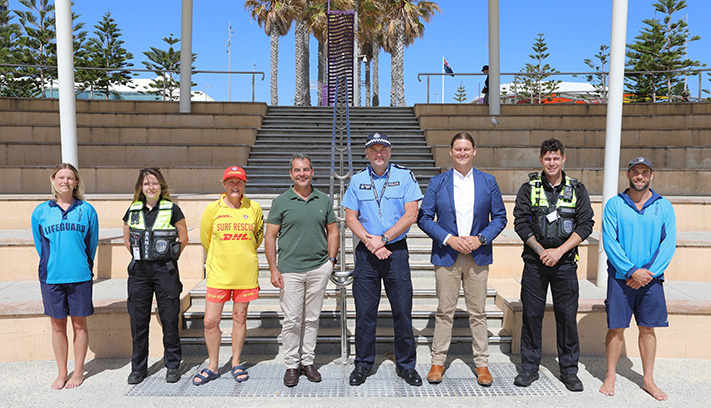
x,y
377,218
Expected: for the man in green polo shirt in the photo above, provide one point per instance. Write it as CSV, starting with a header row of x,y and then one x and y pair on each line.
x,y
303,222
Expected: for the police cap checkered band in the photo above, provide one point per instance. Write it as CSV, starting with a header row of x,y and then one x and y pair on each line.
x,y
640,160
377,138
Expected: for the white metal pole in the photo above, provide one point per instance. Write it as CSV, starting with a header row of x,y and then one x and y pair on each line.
x,y
614,119
494,65
186,55
67,101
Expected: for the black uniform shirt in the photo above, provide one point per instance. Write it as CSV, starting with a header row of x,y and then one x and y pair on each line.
x,y
523,213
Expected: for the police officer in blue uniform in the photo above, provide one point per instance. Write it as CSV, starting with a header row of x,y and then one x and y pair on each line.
x,y
552,216
381,205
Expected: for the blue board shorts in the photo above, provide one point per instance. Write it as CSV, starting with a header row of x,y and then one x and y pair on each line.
x,y
646,303
67,299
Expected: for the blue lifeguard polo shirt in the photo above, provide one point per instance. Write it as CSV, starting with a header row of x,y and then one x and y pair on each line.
x,y
377,218
65,241
638,239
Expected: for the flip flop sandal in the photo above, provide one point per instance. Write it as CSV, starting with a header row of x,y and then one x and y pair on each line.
x,y
238,371
205,377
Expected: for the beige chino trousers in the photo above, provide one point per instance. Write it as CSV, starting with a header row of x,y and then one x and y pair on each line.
x,y
467,274
301,301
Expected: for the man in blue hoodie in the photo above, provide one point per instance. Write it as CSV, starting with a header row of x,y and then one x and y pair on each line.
x,y
639,237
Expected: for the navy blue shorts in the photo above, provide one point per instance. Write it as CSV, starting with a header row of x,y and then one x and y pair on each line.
x,y
646,303
67,299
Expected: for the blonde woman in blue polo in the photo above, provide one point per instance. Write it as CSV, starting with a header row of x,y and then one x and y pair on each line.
x,y
66,233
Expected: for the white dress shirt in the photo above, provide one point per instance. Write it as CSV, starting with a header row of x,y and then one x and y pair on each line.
x,y
463,203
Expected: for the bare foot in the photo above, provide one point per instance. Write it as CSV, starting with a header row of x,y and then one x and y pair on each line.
x,y
608,386
58,384
654,391
76,380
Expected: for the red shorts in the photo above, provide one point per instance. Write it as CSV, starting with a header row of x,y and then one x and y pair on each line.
x,y
238,295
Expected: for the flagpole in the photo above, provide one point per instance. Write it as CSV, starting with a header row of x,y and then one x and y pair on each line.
x,y
441,96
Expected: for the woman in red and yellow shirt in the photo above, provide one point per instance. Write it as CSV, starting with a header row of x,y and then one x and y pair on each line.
x,y
231,230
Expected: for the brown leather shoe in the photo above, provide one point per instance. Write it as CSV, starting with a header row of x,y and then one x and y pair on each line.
x,y
291,377
311,373
483,376
435,374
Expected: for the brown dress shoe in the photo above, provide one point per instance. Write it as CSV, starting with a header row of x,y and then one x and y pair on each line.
x,y
291,377
435,374
311,373
483,376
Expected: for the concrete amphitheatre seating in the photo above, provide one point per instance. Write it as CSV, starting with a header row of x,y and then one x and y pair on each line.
x,y
118,137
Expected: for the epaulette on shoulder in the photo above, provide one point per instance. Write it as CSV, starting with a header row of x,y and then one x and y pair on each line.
x,y
574,182
533,176
361,170
397,166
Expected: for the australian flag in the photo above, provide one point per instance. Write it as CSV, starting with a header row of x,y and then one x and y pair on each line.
x,y
447,68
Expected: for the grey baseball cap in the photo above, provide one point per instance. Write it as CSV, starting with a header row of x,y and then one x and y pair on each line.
x,y
640,160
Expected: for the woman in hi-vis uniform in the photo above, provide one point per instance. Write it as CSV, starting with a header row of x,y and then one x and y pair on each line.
x,y
231,230
155,233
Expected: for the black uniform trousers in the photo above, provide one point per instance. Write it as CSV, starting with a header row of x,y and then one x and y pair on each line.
x,y
395,274
563,281
144,279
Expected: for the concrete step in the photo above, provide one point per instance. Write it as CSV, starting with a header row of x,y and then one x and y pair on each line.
x,y
297,119
262,316
120,154
423,288
50,105
193,120
498,342
586,157
27,133
325,140
493,136
565,122
668,182
356,133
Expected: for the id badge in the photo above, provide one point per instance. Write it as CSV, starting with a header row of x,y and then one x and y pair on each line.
x,y
552,216
136,253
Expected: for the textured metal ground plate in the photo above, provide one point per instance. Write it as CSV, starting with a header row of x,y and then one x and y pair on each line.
x,y
266,382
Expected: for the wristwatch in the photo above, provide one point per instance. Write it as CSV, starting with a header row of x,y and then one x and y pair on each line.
x,y
482,239
334,260
385,239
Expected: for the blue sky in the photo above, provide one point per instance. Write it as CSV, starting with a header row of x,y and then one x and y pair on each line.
x,y
574,30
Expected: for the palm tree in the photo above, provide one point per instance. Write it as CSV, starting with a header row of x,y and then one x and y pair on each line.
x,y
402,29
370,26
302,94
276,17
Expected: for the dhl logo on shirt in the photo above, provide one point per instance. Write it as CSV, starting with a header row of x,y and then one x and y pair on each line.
x,y
235,237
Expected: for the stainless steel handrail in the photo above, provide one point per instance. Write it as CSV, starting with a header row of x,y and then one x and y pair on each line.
x,y
341,276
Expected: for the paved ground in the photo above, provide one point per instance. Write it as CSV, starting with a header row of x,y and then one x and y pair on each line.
x,y
26,384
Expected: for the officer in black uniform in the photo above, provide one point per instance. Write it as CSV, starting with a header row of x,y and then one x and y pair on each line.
x,y
155,233
552,216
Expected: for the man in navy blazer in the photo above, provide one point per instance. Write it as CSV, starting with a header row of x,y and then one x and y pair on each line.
x,y
462,212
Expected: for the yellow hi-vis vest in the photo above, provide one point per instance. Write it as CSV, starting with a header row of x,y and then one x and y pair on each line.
x,y
157,243
558,227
